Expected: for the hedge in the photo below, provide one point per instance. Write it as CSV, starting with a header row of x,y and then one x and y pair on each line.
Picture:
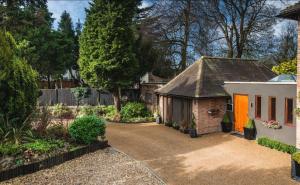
x,y
273,144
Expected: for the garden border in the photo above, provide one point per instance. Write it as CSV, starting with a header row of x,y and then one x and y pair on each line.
x,y
51,161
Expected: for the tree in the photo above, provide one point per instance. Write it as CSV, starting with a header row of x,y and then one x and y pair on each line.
x,y
244,24
107,58
18,82
65,27
286,67
287,43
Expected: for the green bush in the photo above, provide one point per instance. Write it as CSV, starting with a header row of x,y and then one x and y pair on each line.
x,y
61,111
10,149
87,129
87,110
250,124
134,110
110,112
273,144
18,82
296,157
44,146
80,93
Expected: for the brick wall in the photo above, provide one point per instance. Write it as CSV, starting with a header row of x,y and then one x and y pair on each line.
x,y
207,123
298,89
148,96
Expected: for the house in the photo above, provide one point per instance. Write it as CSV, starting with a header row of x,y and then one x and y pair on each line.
x,y
265,101
148,84
199,91
293,13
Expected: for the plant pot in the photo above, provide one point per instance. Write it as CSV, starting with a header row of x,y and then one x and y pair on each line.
x,y
158,120
249,133
226,127
295,171
176,127
193,133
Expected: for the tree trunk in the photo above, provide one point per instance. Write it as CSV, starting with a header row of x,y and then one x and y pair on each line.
x,y
186,14
117,99
49,82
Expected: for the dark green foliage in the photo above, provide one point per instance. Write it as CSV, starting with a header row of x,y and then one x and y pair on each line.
x,y
18,82
107,59
80,93
134,110
296,157
43,146
250,124
273,144
87,129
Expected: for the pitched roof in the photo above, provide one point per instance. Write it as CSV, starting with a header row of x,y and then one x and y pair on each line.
x,y
205,78
291,12
284,78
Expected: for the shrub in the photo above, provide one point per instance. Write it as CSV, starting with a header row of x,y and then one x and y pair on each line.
x,y
296,157
87,129
43,146
273,144
134,110
42,120
10,149
14,132
80,93
57,131
87,110
250,124
18,82
61,111
110,112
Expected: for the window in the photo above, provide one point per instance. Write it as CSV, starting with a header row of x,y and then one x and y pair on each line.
x,y
272,108
148,98
289,110
258,107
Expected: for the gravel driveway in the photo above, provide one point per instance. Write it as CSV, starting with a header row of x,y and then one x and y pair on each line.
x,y
103,167
212,159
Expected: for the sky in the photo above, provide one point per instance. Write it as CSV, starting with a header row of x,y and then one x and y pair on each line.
x,y
76,8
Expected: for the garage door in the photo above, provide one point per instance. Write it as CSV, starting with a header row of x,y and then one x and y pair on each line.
x,y
240,112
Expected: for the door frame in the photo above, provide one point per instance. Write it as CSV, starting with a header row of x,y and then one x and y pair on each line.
x,y
238,94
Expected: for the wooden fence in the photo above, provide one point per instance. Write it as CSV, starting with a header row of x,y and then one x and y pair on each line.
x,y
65,96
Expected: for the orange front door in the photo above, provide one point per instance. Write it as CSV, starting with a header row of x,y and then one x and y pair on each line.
x,y
240,112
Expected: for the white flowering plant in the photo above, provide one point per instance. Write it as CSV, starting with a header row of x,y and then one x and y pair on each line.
x,y
272,124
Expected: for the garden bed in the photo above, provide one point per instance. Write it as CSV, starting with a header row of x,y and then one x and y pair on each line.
x,y
51,161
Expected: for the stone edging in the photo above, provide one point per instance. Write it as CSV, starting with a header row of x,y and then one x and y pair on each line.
x,y
51,161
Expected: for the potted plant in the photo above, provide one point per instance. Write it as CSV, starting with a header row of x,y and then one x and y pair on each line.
x,y
295,170
168,123
226,124
184,127
193,130
157,117
175,125
250,130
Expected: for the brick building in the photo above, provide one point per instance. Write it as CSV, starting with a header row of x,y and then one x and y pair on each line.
x,y
293,13
150,83
199,90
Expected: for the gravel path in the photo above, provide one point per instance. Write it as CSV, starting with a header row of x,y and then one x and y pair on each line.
x,y
211,159
103,167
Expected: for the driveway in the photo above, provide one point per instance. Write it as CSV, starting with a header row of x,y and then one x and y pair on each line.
x,y
210,159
